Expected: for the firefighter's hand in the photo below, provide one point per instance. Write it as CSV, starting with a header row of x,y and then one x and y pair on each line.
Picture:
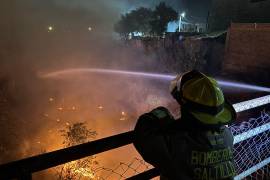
x,y
149,142
153,121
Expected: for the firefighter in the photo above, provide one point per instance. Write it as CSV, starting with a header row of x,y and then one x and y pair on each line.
x,y
196,146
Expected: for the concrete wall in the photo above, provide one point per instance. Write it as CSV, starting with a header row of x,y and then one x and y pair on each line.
x,y
172,55
247,53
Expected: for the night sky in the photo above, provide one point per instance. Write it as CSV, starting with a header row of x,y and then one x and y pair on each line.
x,y
99,13
23,21
194,7
196,10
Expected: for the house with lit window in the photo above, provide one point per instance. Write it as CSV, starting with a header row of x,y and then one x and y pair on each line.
x,y
186,26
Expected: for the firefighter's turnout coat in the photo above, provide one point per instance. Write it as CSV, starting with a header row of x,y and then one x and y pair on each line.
x,y
184,148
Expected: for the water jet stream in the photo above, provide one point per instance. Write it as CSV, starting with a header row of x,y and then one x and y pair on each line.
x,y
168,77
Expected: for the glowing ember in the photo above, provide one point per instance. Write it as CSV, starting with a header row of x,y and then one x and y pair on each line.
x,y
46,115
100,107
122,119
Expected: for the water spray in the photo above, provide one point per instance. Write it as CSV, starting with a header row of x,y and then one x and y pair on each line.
x,y
167,77
243,86
58,74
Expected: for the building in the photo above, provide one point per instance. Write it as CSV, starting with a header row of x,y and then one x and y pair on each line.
x,y
186,27
224,12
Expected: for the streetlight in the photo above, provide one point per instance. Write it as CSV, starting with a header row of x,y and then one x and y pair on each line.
x,y
50,28
182,15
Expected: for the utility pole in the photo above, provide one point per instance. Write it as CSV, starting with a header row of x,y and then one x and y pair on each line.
x,y
181,15
180,22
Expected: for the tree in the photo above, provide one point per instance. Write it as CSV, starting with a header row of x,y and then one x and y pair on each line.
x,y
135,21
75,134
146,21
163,15
124,26
142,19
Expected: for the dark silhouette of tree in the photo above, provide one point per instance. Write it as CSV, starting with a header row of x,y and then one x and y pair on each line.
x,y
146,21
142,19
138,20
125,25
163,15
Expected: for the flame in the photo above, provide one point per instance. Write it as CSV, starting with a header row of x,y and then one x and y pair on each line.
x,y
46,115
85,172
63,113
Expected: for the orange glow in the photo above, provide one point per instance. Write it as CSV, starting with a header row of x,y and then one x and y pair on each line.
x,y
73,108
72,168
100,107
85,172
122,119
124,116
107,114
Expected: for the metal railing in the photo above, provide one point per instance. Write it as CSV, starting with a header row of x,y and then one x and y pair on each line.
x,y
23,169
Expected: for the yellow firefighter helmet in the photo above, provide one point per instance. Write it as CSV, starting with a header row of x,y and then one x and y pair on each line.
x,y
201,96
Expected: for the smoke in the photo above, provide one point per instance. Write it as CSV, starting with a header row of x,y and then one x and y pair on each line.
x,y
38,108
